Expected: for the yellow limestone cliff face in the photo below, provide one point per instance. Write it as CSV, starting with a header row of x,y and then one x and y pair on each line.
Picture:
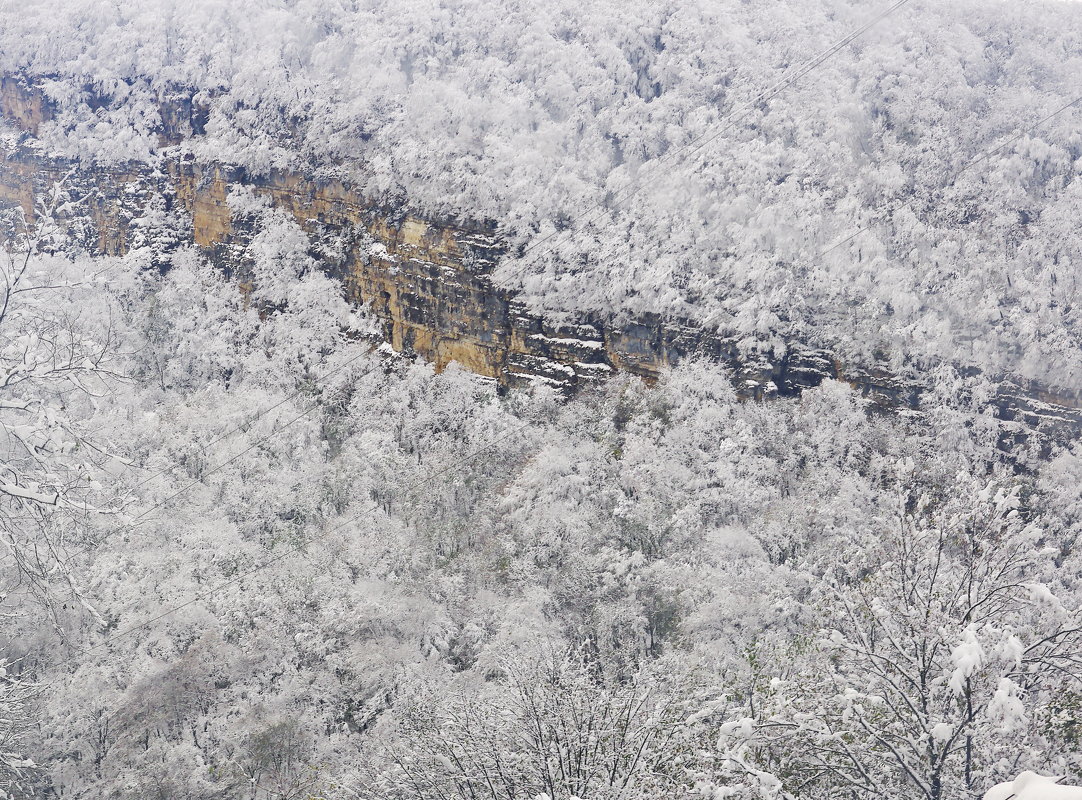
x,y
204,195
428,279
22,104
411,272
102,216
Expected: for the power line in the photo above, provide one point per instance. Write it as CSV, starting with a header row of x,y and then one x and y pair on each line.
x,y
954,176
248,422
692,147
293,549
219,467
732,119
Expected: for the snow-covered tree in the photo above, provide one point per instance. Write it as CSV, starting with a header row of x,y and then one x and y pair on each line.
x,y
547,725
940,657
60,358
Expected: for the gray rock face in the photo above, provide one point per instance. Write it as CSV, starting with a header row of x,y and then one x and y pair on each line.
x,y
428,280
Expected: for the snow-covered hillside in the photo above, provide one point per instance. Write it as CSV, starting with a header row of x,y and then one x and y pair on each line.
x,y
250,552
532,115
315,567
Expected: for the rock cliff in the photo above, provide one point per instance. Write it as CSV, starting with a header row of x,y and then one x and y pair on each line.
x,y
428,280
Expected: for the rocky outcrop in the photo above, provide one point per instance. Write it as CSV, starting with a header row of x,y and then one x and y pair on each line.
x,y
24,105
428,280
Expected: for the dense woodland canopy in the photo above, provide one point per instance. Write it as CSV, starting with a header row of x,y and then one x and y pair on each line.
x,y
529,114
382,582
363,579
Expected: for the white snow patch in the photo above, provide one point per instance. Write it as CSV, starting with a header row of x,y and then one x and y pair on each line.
x,y
1006,708
942,732
1031,786
593,345
968,657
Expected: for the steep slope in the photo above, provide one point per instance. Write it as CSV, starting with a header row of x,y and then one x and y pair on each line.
x,y
430,280
529,116
249,551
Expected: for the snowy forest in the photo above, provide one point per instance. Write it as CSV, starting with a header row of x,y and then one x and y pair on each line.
x,y
251,551
640,123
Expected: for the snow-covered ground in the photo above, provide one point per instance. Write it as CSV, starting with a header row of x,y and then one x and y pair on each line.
x,y
1031,786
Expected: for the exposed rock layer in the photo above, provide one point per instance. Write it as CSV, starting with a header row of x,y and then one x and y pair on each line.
x,y
428,280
